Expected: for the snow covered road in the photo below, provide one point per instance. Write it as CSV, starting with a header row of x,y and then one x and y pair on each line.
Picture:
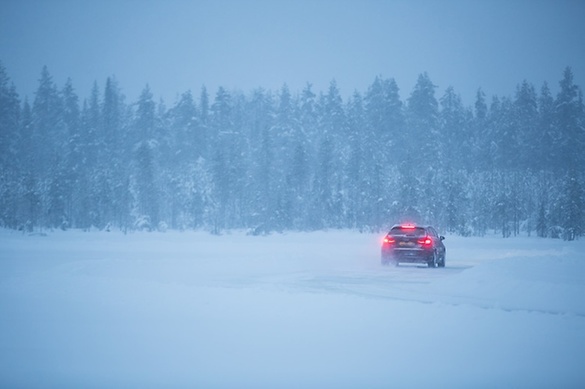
x,y
313,310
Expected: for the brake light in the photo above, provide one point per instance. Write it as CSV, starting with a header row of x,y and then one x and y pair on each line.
x,y
389,240
408,227
426,241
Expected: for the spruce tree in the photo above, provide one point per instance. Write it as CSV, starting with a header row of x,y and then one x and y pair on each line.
x,y
10,171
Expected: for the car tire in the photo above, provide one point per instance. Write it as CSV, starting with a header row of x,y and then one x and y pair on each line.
x,y
389,262
442,261
433,261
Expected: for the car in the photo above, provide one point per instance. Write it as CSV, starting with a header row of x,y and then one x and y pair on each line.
x,y
410,243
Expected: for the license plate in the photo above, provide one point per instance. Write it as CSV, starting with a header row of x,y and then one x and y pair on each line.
x,y
406,244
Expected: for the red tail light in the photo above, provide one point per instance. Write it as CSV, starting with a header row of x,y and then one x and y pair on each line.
x,y
389,240
426,241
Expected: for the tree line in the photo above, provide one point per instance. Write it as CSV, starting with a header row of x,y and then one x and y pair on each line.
x,y
280,160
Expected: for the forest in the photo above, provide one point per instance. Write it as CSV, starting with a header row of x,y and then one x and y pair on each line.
x,y
273,161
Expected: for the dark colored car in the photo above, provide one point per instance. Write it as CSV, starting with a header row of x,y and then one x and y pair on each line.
x,y
413,244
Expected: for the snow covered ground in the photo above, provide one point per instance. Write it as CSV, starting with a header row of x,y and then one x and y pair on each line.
x,y
294,310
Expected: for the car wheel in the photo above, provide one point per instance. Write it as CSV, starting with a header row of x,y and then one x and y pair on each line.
x,y
442,261
433,261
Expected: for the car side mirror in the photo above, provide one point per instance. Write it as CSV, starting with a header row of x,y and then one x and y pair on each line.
x,y
442,237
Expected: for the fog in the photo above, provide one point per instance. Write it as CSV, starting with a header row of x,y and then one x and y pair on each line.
x,y
176,46
239,224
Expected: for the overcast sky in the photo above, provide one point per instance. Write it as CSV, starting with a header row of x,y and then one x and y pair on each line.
x,y
176,46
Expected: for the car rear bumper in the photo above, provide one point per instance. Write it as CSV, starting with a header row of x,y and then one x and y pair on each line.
x,y
407,255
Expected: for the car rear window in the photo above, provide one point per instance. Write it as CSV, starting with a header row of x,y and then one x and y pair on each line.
x,y
407,231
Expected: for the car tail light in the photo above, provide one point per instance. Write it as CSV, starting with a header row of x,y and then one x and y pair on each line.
x,y
389,240
408,226
426,241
